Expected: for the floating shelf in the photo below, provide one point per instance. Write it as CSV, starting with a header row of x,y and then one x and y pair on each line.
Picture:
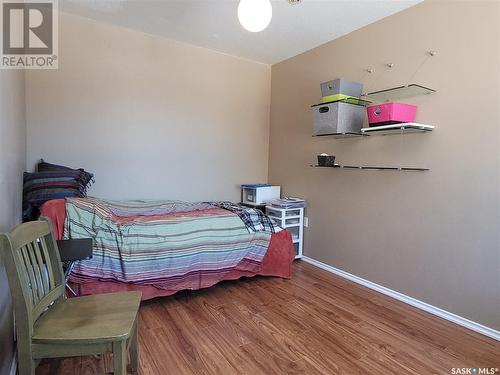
x,y
355,101
404,128
374,168
342,135
398,93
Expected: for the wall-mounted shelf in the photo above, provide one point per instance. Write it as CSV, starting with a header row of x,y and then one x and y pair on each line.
x,y
398,93
391,94
374,168
404,128
342,135
355,101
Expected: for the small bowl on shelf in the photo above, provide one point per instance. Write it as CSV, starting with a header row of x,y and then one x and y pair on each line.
x,y
326,160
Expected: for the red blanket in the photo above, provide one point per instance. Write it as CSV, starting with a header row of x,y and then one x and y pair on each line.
x,y
277,261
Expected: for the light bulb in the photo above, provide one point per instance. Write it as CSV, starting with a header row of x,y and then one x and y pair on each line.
x,y
255,15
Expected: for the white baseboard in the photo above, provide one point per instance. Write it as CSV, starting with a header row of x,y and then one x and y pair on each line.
x,y
487,331
13,366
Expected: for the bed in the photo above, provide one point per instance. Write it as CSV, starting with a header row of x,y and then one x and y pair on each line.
x,y
160,248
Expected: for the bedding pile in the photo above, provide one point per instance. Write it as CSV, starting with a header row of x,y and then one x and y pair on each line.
x,y
255,220
52,181
170,245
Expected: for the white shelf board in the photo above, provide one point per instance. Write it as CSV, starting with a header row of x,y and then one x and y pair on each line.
x,y
404,128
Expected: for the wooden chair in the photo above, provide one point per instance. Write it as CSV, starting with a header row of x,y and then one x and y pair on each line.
x,y
48,324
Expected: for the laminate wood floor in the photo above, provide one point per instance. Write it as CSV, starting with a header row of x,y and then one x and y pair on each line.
x,y
315,323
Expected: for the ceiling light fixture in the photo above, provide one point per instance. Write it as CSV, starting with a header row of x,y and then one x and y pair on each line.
x,y
255,15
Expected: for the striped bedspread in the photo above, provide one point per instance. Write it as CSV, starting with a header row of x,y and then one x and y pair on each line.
x,y
170,245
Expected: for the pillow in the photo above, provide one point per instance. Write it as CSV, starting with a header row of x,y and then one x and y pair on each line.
x,y
43,166
52,182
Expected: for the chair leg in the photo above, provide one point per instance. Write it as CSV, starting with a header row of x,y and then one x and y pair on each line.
x,y
26,364
134,350
120,357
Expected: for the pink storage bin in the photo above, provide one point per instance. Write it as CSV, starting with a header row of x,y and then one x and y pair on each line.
x,y
391,113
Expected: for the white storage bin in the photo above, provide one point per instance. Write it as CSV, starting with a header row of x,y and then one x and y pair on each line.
x,y
260,195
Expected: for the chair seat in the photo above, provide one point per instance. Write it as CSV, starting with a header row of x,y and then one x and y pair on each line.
x,y
98,318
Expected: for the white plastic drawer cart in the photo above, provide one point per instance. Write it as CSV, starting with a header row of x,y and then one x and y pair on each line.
x,y
291,219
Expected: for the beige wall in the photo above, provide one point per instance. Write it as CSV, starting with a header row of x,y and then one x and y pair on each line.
x,y
12,164
152,118
432,235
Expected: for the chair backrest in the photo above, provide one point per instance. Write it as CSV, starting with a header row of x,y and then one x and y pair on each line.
x,y
34,271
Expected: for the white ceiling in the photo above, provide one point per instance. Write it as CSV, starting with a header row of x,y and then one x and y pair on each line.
x,y
214,24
